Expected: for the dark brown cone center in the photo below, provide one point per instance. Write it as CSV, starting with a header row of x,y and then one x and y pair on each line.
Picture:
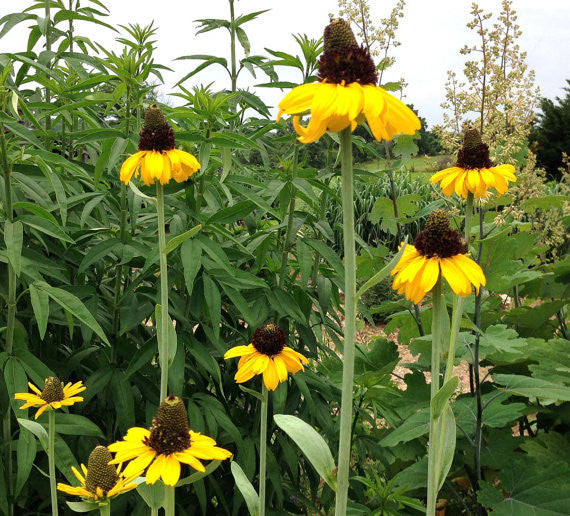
x,y
343,59
156,134
169,432
474,153
53,390
100,474
269,340
438,238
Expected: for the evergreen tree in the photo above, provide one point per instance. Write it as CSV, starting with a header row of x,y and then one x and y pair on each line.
x,y
551,136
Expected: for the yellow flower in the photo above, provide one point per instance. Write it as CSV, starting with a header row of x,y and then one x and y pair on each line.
x,y
168,444
346,93
267,355
158,159
477,181
474,172
99,480
53,395
438,250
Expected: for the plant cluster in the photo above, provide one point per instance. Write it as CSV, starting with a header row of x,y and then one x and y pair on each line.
x,y
180,287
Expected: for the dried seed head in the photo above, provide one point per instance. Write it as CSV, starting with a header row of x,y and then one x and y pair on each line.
x,y
269,339
100,474
53,390
156,134
474,153
438,238
343,59
169,432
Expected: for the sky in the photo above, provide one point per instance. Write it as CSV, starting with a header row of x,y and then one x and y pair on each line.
x,y
431,35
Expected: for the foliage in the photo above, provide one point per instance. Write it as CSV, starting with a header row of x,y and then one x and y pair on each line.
x,y
256,236
550,134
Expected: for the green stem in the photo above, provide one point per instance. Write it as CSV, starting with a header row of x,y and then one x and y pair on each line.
x,y
10,316
349,321
105,510
289,230
48,49
163,338
263,449
122,227
51,461
169,501
153,511
233,45
435,370
458,302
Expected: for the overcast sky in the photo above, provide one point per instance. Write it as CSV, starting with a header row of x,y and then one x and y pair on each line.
x,y
431,34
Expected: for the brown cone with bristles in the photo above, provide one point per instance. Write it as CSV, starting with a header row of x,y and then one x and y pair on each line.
x,y
156,133
474,154
438,238
99,472
53,390
338,36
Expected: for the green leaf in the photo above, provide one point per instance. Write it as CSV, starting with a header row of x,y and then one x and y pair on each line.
x,y
74,424
199,475
83,506
46,227
246,489
99,251
312,445
74,306
532,387
444,439
191,257
14,239
174,242
123,400
40,305
26,453
213,302
38,430
381,274
441,398
412,427
171,339
153,495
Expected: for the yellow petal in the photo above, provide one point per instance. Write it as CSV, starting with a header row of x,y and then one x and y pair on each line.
x,y
299,99
270,377
238,351
281,368
155,469
171,470
130,165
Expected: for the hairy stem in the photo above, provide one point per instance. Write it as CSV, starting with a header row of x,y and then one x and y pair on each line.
x,y
349,321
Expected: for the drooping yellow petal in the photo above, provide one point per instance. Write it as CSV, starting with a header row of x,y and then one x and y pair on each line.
x,y
155,470
281,368
298,100
187,458
270,377
171,470
130,166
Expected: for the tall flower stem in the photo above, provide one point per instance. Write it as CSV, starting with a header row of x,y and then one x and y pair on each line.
x,y
153,511
169,501
122,224
163,337
48,49
233,46
349,321
105,510
263,449
289,230
458,301
435,369
11,313
479,413
51,462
